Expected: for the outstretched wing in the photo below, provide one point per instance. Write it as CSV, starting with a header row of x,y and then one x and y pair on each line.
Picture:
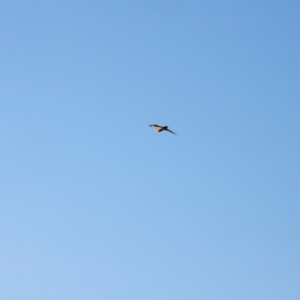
x,y
170,131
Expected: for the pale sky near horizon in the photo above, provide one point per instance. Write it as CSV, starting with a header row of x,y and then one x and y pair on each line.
x,y
94,204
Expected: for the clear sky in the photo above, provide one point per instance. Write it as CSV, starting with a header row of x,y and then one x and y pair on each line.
x,y
94,204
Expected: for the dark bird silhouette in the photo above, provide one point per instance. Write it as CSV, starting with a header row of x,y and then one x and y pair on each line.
x,y
159,128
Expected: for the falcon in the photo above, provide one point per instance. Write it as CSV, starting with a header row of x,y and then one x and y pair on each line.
x,y
159,128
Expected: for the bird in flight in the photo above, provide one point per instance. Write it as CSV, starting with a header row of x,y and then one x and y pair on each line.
x,y
159,128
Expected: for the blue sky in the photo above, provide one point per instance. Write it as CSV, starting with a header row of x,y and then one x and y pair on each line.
x,y
95,204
